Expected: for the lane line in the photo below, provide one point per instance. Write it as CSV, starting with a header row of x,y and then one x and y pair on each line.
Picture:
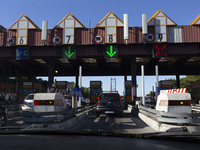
x,y
15,118
97,120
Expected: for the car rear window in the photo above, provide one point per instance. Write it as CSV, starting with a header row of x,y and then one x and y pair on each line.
x,y
110,97
30,97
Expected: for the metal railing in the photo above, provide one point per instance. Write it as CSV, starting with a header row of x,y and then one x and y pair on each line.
x,y
52,117
172,118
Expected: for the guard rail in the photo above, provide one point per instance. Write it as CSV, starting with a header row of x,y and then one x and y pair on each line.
x,y
172,118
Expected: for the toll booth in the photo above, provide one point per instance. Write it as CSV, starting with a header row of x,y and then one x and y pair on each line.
x,y
95,90
64,86
164,85
128,91
31,87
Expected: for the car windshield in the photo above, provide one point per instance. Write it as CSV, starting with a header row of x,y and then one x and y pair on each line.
x,y
114,68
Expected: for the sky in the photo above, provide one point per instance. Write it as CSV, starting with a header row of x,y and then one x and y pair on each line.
x,y
181,12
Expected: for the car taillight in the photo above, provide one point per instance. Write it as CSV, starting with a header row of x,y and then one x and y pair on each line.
x,y
120,100
36,102
23,104
97,103
43,102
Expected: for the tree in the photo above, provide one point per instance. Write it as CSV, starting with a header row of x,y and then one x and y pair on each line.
x,y
151,94
186,82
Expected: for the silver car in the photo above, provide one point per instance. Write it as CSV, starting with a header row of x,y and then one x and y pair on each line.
x,y
27,104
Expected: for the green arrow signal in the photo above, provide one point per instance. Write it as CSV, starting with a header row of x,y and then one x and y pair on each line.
x,y
69,54
111,53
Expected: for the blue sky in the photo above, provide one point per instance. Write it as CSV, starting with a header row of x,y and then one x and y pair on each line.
x,y
181,12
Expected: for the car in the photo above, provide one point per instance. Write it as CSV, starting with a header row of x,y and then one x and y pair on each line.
x,y
68,100
83,101
194,101
109,103
27,104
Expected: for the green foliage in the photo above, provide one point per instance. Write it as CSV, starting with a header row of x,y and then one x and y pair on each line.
x,y
186,82
151,94
85,92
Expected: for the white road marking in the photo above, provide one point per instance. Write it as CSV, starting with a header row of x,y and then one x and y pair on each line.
x,y
97,120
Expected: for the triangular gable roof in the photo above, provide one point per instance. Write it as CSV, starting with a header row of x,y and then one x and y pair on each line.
x,y
69,15
110,13
32,24
170,22
196,21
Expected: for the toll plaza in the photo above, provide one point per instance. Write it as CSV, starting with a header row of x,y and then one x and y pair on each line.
x,y
110,48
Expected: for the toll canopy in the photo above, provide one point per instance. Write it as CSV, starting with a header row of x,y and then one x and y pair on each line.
x,y
171,101
49,102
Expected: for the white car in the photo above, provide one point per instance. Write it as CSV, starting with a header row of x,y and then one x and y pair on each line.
x,y
27,104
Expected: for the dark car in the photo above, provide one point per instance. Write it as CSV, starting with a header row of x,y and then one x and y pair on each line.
x,y
109,103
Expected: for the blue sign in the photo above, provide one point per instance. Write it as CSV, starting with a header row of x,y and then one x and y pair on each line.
x,y
158,91
19,53
78,92
22,53
77,89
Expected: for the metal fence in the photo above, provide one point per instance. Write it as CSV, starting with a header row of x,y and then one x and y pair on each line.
x,y
173,118
52,117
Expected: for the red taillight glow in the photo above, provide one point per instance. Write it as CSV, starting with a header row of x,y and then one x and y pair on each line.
x,y
120,100
36,102
23,104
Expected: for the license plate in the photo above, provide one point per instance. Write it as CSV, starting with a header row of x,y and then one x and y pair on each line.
x,y
109,112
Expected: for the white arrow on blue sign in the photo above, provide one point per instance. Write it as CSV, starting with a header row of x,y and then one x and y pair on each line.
x,y
19,53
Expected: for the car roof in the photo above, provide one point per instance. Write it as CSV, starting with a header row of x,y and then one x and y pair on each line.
x,y
47,96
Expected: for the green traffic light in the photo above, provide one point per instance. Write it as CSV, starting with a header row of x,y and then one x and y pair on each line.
x,y
69,54
111,53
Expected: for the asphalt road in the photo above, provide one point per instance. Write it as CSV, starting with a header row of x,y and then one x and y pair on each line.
x,y
14,115
128,123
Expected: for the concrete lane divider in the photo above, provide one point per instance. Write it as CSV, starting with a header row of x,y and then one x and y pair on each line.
x,y
76,116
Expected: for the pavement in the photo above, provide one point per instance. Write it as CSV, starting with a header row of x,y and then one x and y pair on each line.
x,y
128,123
14,106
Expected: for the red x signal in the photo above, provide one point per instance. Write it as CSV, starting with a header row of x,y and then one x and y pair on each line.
x,y
160,50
